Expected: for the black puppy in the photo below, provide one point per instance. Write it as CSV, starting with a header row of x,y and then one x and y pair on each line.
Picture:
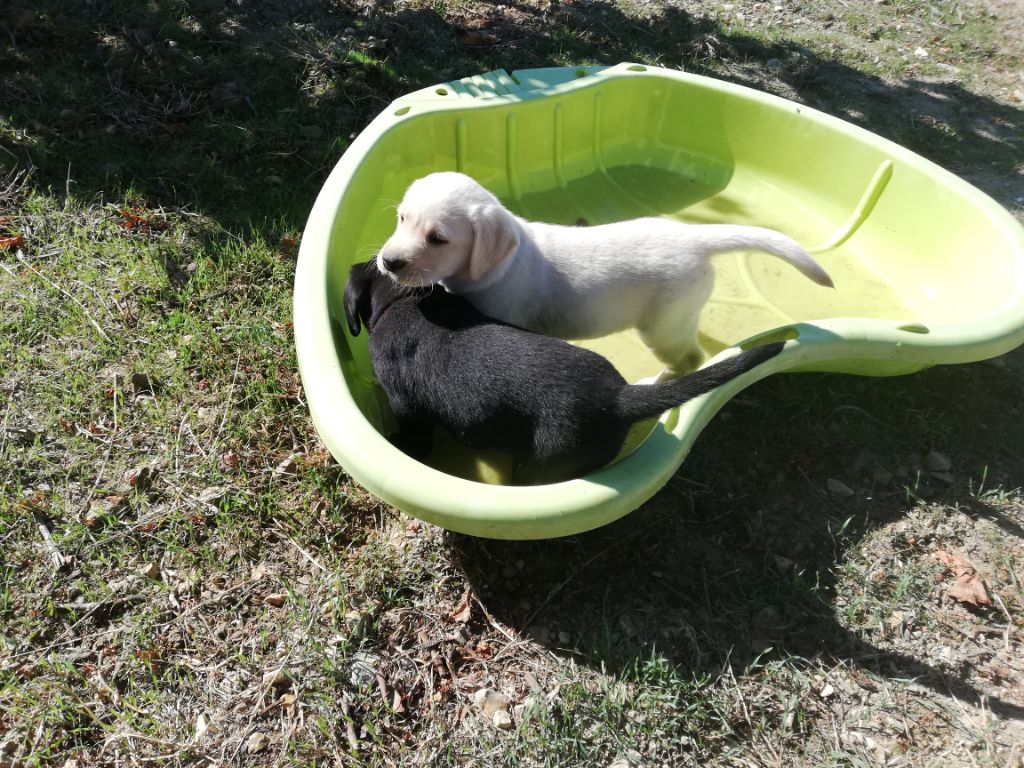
x,y
559,410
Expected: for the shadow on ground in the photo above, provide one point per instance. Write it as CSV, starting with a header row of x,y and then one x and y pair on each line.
x,y
238,110
736,561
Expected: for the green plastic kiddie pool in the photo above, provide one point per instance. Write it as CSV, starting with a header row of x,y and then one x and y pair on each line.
x,y
928,270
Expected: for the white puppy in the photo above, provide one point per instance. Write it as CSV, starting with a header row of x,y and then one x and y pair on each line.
x,y
571,282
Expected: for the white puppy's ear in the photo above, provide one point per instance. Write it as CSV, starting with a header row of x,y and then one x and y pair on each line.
x,y
495,238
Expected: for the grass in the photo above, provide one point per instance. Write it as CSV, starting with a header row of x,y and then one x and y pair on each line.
x,y
187,578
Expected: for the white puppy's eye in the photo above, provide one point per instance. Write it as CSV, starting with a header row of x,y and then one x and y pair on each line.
x,y
435,239
401,217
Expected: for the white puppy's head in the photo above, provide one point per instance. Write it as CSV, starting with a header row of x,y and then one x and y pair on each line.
x,y
448,227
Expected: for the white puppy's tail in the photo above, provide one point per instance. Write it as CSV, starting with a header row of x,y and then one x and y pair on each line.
x,y
722,238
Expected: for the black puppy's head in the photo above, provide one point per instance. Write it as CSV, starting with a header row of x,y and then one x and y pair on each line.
x,y
368,294
359,296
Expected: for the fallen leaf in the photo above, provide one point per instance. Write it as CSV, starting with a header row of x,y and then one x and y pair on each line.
x,y
968,586
838,487
463,610
148,656
484,649
140,477
288,466
276,599
26,671
132,220
150,570
474,37
14,241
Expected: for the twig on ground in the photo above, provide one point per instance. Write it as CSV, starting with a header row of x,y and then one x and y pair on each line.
x,y
350,729
113,602
494,623
56,557
306,554
1009,621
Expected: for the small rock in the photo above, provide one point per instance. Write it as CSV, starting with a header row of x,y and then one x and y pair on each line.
x,y
276,599
202,726
863,460
838,487
212,495
364,668
921,53
374,44
257,743
631,759
287,467
881,477
502,720
539,633
628,625
937,462
767,618
490,701
784,564
826,691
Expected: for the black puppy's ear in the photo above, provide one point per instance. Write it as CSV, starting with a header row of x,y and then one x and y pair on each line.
x,y
359,294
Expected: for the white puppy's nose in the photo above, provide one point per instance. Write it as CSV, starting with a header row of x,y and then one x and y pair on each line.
x,y
393,264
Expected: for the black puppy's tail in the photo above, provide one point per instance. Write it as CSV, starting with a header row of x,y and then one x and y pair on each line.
x,y
641,401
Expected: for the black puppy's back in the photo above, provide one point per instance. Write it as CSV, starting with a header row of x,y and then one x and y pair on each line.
x,y
558,409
